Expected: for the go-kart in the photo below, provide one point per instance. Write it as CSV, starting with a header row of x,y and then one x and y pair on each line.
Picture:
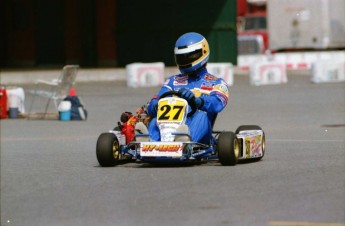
x,y
248,141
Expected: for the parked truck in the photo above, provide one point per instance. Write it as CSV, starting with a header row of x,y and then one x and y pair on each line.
x,y
306,24
290,25
252,26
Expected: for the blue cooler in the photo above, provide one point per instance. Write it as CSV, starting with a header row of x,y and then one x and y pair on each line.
x,y
65,115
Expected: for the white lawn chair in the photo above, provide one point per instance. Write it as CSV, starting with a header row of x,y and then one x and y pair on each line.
x,y
55,90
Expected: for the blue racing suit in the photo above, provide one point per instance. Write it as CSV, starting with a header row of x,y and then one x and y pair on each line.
x,y
214,94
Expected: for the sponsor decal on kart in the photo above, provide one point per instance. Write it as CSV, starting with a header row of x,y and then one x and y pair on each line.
x,y
252,143
161,149
255,144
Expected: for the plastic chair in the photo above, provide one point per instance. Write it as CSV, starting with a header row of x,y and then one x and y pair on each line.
x,y
55,90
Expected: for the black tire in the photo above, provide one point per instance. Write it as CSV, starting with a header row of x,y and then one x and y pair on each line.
x,y
254,127
108,150
228,149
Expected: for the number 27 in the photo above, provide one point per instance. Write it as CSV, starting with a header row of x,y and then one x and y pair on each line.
x,y
166,112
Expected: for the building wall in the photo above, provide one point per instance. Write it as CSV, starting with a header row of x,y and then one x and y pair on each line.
x,y
106,32
18,33
102,33
147,30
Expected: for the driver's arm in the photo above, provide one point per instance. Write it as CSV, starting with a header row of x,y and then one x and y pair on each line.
x,y
217,100
152,105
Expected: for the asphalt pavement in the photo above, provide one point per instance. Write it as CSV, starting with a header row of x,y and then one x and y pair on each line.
x,y
50,174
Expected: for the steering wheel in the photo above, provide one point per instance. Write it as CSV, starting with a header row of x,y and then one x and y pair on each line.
x,y
191,103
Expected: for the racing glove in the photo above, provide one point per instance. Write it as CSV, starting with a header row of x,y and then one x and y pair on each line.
x,y
186,94
189,96
199,102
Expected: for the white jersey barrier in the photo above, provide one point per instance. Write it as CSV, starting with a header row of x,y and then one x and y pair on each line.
x,y
145,74
292,61
328,71
222,70
267,73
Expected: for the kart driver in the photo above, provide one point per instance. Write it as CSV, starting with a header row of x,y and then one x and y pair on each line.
x,y
195,82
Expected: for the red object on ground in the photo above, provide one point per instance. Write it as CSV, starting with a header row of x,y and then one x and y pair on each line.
x,y
3,103
72,92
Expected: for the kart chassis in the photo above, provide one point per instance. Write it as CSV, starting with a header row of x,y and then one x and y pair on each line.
x,y
227,147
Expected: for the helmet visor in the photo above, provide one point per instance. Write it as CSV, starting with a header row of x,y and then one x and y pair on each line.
x,y
188,58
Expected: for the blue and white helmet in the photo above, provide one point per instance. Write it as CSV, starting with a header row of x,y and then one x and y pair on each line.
x,y
191,52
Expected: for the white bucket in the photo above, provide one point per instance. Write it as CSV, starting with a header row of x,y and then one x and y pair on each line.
x,y
65,110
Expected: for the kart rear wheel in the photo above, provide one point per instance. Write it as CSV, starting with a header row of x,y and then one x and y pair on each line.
x,y
228,149
254,127
108,150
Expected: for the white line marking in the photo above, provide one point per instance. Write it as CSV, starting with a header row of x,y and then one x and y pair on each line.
x,y
291,223
9,139
302,140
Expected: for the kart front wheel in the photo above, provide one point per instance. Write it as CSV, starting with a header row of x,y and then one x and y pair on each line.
x,y
228,149
108,150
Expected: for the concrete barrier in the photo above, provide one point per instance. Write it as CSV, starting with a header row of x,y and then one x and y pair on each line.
x,y
222,70
267,73
328,71
145,74
292,61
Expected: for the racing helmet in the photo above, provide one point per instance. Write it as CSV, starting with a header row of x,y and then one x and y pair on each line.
x,y
191,52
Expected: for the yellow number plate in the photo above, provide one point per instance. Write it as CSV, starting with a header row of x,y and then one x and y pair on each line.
x,y
171,109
